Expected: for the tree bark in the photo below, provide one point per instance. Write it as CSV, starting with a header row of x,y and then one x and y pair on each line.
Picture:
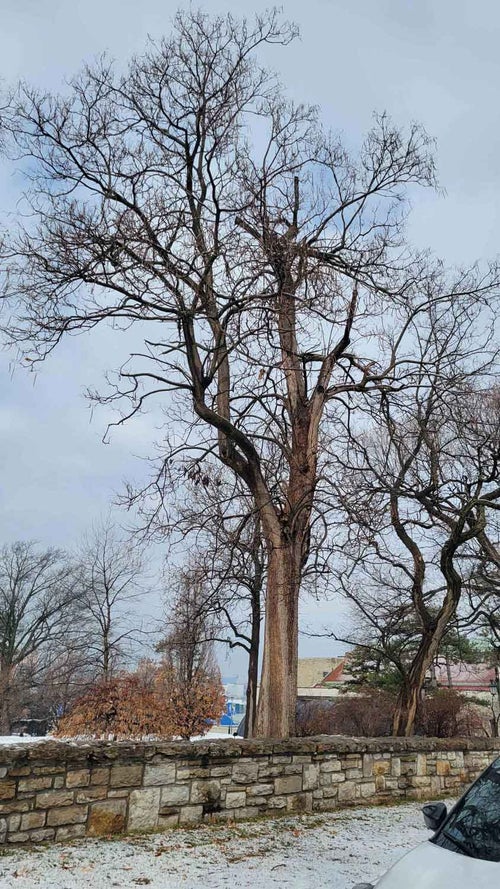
x,y
278,690
410,695
5,703
253,668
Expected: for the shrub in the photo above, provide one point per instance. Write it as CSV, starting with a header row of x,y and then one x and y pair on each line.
x,y
315,718
367,714
447,714
150,702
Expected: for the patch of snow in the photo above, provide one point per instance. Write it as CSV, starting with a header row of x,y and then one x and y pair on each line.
x,y
22,739
324,851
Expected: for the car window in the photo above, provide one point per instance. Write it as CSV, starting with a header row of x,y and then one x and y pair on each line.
x,y
473,827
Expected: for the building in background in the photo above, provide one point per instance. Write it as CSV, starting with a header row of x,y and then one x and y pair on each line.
x,y
320,677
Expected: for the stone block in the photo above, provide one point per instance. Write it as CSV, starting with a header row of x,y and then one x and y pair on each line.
x,y
126,775
299,802
162,773
269,771
14,823
221,772
43,770
396,767
421,764
191,814
353,761
311,776
261,801
66,815
70,832
277,802
288,784
443,768
366,790
207,792
174,794
53,798
381,767
346,791
107,817
436,786
58,782
143,809
260,790
331,765
16,805
7,789
90,794
79,778
100,775
367,765
32,820
235,800
245,772
420,781
30,784
20,837
42,835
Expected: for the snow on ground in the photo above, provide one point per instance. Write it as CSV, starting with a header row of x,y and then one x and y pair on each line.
x,y
331,851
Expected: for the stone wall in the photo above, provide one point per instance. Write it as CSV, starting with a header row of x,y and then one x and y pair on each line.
x,y
56,791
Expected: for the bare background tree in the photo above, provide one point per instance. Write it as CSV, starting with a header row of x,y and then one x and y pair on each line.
x,y
421,489
212,517
188,194
37,590
110,582
189,642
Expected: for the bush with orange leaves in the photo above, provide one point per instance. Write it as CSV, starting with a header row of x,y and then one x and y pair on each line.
x,y
152,702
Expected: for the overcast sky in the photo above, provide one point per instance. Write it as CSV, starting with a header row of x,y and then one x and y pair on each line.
x,y
434,61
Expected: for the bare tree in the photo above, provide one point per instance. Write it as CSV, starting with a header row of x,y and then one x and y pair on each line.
x,y
190,195
37,591
189,641
110,580
421,493
212,517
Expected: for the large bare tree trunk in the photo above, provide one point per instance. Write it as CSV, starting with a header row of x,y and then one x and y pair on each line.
x,y
410,695
278,690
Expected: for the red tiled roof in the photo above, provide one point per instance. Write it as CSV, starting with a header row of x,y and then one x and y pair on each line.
x,y
470,677
334,675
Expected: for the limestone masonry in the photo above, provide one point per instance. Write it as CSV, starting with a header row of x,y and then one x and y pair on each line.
x,y
56,791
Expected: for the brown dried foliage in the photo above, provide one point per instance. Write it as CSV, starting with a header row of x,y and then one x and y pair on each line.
x,y
153,701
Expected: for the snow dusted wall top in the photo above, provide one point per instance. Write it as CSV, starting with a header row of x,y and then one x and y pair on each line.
x,y
53,790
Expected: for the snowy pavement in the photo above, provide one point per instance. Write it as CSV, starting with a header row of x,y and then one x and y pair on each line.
x,y
330,851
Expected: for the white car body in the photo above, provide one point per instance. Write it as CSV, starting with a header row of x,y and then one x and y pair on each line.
x,y
464,852
432,867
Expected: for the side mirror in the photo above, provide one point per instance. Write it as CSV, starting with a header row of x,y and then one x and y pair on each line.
x,y
434,815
